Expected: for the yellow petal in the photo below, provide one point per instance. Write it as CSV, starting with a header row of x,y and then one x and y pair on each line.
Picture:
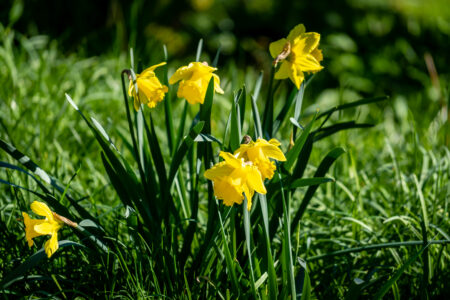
x,y
217,87
284,71
274,142
273,152
296,31
249,195
296,75
317,53
51,245
219,171
305,43
193,91
152,68
46,228
230,159
276,48
228,192
182,73
41,209
308,63
254,180
30,233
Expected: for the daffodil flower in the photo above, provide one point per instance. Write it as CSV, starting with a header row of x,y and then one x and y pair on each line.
x,y
298,53
150,89
260,153
195,78
37,227
233,178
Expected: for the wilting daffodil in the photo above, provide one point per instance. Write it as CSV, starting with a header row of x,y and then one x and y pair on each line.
x,y
150,89
233,178
259,153
195,78
297,53
48,226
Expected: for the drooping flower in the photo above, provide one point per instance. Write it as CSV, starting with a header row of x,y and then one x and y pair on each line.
x,y
37,227
298,53
259,153
233,178
150,89
195,78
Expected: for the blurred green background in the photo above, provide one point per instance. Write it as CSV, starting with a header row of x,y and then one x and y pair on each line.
x,y
393,47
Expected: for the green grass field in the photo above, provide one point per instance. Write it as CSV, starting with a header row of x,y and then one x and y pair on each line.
x,y
357,211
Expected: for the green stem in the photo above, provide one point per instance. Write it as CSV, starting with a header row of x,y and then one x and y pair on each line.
x,y
133,138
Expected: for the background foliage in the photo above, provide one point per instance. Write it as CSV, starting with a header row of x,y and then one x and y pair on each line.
x,y
391,177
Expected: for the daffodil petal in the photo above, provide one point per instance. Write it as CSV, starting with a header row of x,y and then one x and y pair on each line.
x,y
41,209
46,228
217,87
296,75
306,43
309,63
51,245
295,32
317,53
230,159
274,142
284,70
273,152
254,180
182,73
152,68
30,233
218,171
276,48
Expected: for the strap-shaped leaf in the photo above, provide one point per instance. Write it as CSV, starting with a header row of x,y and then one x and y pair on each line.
x,y
31,262
323,168
293,154
187,143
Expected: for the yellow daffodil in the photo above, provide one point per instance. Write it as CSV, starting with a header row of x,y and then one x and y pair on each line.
x,y
298,53
37,227
194,81
150,90
259,153
233,178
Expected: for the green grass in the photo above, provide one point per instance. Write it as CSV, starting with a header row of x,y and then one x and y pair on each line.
x,y
380,225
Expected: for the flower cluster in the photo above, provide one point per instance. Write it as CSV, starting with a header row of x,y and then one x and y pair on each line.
x,y
194,79
244,172
298,53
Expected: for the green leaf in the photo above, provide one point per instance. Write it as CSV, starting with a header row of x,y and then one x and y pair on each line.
x,y
187,143
273,290
306,290
293,154
31,262
199,50
323,168
352,104
256,119
235,128
247,230
327,131
309,181
385,288
228,259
